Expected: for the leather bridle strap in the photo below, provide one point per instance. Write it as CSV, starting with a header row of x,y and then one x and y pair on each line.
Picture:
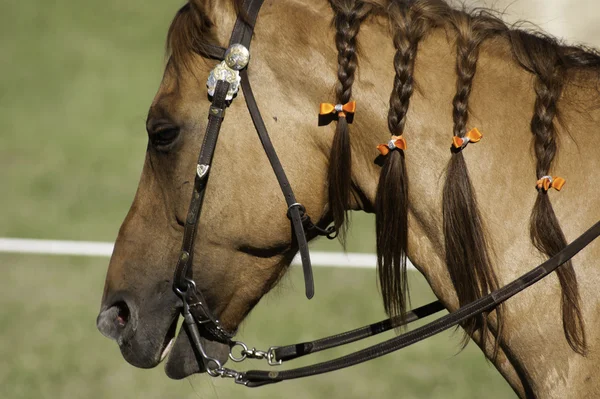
x,y
211,51
295,210
242,33
255,378
183,283
291,352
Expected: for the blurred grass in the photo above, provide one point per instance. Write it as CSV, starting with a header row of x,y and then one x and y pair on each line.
x,y
77,79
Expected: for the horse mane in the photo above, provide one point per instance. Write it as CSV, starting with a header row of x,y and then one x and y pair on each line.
x,y
469,266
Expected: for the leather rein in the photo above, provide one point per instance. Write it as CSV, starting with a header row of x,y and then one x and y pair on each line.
x,y
199,319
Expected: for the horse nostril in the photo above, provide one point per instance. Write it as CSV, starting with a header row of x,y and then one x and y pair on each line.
x,y
113,322
122,314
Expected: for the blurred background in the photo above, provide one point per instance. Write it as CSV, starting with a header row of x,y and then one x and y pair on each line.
x,y
76,81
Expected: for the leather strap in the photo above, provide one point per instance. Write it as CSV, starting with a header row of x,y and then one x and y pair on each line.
x,y
243,29
295,210
255,378
183,276
212,51
242,33
215,118
291,352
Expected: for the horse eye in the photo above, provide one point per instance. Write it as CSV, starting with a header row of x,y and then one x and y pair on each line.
x,y
163,136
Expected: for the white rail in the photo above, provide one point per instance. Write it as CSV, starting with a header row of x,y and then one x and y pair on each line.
x,y
105,249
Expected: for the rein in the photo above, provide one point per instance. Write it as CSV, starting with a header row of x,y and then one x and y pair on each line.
x,y
224,81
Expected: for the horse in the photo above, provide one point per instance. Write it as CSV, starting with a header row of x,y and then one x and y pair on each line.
x,y
464,132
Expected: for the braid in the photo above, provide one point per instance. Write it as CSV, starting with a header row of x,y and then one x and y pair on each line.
x,y
348,18
467,255
391,201
549,64
467,54
542,124
404,64
546,233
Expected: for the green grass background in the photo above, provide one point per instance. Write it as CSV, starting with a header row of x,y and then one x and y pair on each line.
x,y
77,79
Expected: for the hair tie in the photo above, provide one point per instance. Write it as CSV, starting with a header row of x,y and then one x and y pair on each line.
x,y
547,182
473,136
396,142
342,110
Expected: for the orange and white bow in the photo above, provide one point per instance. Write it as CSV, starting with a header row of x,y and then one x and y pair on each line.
x,y
547,182
341,109
473,136
396,142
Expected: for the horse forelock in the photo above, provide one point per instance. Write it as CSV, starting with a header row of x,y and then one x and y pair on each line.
x,y
192,29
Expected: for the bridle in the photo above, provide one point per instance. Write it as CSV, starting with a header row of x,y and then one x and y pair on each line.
x,y
223,84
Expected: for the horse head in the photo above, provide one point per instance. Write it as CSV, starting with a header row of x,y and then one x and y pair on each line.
x,y
245,242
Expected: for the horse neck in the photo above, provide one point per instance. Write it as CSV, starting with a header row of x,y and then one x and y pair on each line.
x,y
501,167
501,106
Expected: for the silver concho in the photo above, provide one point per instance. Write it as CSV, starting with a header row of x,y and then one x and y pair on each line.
x,y
223,72
237,57
202,170
391,144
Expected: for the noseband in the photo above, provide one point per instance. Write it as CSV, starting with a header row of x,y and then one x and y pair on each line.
x,y
223,83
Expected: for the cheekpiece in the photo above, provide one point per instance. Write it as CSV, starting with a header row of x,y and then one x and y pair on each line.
x,y
237,57
223,72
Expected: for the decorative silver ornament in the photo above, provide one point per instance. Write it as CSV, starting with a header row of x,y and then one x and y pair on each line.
x,y
202,170
223,72
391,144
237,57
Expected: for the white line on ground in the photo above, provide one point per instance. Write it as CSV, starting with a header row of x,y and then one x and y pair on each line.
x,y
88,248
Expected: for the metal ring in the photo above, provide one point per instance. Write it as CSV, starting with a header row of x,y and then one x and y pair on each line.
x,y
216,371
243,352
191,283
180,293
301,208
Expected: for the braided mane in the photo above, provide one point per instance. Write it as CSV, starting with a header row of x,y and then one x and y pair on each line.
x,y
470,266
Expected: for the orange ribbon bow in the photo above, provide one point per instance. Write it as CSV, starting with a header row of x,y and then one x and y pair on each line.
x,y
396,142
473,136
342,110
547,182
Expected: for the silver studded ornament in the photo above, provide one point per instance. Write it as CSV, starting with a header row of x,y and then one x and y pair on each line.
x,y
223,72
237,57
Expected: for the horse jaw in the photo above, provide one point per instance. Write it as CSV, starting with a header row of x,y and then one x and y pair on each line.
x,y
183,361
